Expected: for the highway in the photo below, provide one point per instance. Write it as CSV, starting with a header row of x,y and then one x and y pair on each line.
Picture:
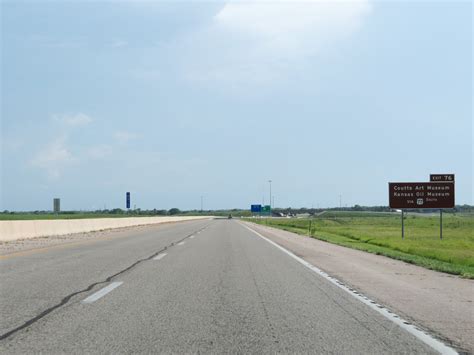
x,y
209,286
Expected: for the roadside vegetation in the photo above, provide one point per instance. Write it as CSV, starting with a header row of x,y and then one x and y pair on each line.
x,y
380,233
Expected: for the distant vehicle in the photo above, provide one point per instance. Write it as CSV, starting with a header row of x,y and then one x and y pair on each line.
x,y
229,217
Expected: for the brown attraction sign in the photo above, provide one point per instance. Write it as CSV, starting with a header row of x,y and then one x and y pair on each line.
x,y
421,195
442,177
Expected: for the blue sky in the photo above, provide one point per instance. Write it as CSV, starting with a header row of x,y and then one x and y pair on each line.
x,y
174,100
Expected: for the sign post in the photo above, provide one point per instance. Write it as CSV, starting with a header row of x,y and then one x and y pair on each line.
x,y
441,224
442,178
403,226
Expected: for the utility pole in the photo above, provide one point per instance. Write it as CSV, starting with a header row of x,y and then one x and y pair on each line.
x,y
340,202
202,203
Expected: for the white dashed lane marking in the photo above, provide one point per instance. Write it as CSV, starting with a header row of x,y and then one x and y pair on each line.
x,y
101,293
160,256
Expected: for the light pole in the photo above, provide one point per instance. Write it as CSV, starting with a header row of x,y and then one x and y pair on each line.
x,y
270,182
201,203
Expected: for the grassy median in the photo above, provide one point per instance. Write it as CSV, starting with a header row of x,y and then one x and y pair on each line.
x,y
381,234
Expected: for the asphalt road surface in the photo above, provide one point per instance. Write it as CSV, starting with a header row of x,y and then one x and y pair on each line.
x,y
207,286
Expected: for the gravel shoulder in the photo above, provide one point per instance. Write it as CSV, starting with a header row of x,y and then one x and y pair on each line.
x,y
440,303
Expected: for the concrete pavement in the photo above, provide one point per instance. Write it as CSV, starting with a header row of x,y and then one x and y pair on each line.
x,y
204,286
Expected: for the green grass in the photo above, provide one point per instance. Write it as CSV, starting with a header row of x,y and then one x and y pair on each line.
x,y
382,235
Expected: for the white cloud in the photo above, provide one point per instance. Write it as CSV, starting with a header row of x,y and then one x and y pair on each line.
x,y
280,20
76,119
257,41
53,157
125,136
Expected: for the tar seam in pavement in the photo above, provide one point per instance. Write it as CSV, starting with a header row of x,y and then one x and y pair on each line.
x,y
66,299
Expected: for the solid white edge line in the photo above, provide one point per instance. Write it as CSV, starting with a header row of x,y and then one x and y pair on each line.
x,y
421,335
102,292
160,256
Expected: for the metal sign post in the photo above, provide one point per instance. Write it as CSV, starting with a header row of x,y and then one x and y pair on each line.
x,y
442,178
403,226
441,224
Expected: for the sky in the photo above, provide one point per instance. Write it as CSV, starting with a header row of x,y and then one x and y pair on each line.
x,y
174,100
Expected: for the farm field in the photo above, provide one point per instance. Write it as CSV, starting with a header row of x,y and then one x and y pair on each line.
x,y
381,234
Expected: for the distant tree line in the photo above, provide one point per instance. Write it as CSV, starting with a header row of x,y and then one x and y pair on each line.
x,y
236,212
359,208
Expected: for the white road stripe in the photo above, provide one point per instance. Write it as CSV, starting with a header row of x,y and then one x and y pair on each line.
x,y
191,237
421,335
101,293
181,243
160,256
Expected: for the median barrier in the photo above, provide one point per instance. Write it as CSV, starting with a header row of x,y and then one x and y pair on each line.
x,y
13,230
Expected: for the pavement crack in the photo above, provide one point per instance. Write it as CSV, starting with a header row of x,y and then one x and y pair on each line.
x,y
66,299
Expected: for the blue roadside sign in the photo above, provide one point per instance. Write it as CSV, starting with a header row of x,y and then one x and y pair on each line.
x,y
256,208
128,199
